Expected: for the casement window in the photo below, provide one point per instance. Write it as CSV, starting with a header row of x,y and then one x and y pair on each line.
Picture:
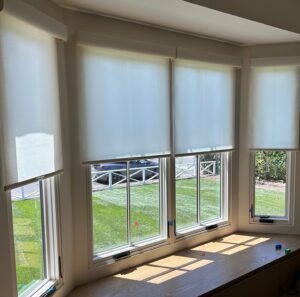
x,y
272,186
128,208
274,135
35,232
31,150
204,134
125,132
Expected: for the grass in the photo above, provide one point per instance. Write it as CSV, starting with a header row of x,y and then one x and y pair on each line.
x,y
110,219
269,202
28,242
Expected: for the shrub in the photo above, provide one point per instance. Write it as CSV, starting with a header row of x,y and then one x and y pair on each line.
x,y
270,166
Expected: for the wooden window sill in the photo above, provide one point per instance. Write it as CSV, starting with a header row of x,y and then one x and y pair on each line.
x,y
203,270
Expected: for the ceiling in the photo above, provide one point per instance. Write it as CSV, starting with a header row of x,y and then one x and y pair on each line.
x,y
186,17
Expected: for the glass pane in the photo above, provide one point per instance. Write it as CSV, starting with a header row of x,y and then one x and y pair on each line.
x,y
144,199
186,191
210,186
28,236
270,183
109,204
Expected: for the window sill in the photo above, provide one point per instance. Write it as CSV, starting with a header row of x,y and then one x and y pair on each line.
x,y
197,230
143,246
190,269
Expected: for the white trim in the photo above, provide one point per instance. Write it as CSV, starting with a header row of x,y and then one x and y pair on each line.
x,y
134,249
275,61
196,230
29,14
188,54
108,41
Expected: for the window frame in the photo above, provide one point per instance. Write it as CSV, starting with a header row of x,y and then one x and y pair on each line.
x,y
288,219
106,257
51,232
225,196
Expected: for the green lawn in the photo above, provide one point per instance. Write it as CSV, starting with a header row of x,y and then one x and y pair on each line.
x,y
28,242
110,219
269,202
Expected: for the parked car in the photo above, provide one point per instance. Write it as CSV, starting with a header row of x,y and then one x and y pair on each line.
x,y
118,170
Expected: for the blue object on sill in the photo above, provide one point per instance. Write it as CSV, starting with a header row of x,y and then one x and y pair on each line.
x,y
49,292
278,246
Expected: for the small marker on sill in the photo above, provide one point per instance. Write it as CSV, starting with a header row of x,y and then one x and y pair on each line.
x,y
287,251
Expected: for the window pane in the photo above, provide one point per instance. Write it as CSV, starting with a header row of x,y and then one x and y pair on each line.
x,y
186,191
144,199
28,236
210,186
270,183
109,204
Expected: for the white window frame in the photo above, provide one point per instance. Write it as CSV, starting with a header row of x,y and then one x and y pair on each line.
x,y
106,257
50,216
288,219
225,193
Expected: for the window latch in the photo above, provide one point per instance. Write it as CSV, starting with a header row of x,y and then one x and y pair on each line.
x,y
251,211
266,219
59,267
211,227
171,224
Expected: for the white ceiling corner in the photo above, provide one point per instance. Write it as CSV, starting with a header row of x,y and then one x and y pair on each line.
x,y
186,17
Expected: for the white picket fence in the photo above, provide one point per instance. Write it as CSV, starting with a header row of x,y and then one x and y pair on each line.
x,y
142,175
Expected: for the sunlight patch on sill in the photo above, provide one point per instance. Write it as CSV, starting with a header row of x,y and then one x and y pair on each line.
x,y
236,249
166,277
173,261
213,247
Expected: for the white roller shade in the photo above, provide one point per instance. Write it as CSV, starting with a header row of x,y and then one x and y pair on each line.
x,y
124,104
274,108
30,113
204,107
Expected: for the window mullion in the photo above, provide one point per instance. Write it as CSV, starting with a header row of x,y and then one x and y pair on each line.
x,y
288,189
198,175
223,184
129,239
44,235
